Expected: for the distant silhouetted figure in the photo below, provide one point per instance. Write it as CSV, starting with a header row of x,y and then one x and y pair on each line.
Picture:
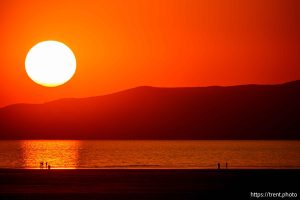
x,y
49,167
42,165
219,166
226,165
46,165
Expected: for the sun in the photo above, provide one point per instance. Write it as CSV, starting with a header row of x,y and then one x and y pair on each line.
x,y
50,63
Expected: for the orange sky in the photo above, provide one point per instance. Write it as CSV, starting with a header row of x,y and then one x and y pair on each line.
x,y
122,44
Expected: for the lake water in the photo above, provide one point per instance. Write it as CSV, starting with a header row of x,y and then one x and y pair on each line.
x,y
149,154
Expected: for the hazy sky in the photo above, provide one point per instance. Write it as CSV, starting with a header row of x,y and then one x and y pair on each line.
x,y
122,44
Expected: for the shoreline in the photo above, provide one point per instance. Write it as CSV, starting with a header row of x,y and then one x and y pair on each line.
x,y
157,168
154,169
143,183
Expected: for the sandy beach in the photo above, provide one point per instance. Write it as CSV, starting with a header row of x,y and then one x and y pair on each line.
x,y
143,183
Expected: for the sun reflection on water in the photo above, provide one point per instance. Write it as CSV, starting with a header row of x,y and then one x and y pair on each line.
x,y
58,154
149,154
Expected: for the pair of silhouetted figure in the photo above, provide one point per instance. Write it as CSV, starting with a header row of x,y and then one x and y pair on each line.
x,y
46,165
219,165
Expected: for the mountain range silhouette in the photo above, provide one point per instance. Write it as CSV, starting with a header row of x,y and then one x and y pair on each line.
x,y
233,112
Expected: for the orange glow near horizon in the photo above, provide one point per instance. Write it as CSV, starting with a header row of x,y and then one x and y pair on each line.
x,y
171,43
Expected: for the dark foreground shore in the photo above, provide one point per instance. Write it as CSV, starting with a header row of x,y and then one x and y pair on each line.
x,y
144,184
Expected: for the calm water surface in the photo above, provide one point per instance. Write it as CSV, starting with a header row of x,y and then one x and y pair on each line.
x,y
149,154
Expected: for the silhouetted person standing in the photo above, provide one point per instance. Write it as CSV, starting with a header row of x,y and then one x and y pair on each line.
x,y
46,165
219,166
226,165
49,167
42,165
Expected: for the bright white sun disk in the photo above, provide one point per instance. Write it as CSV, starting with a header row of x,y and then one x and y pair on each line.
x,y
50,63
